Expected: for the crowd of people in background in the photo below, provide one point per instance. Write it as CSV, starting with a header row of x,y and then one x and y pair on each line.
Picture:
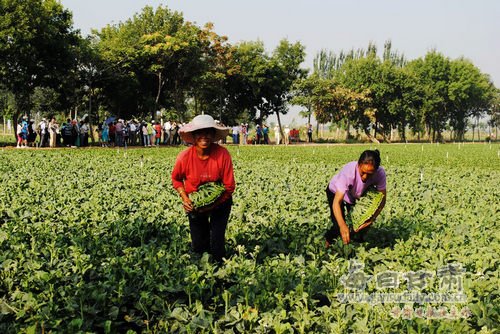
x,y
121,133
114,133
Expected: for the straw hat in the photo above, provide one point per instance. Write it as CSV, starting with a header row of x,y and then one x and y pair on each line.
x,y
202,122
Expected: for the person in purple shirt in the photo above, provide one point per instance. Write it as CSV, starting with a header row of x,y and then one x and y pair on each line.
x,y
349,185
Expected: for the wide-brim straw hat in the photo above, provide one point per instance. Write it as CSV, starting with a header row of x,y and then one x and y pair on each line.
x,y
202,122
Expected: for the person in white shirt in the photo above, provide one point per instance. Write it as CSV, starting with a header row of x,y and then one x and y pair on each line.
x,y
277,134
132,133
43,132
287,135
236,130
167,132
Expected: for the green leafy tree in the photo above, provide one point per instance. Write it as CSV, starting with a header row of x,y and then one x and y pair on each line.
x,y
283,71
303,95
471,93
37,43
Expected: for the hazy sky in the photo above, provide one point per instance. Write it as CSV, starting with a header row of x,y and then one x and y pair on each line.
x,y
453,27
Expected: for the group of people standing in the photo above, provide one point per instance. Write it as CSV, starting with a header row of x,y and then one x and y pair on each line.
x,y
133,133
51,133
110,134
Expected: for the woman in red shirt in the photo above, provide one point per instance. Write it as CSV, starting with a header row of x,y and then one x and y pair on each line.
x,y
201,163
158,133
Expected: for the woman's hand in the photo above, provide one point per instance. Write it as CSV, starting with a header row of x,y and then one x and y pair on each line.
x,y
337,211
188,205
186,201
344,232
364,225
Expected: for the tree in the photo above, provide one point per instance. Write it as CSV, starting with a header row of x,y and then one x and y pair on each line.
x,y
283,71
37,43
303,95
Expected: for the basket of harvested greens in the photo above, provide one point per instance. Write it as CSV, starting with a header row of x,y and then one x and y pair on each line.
x,y
206,194
364,209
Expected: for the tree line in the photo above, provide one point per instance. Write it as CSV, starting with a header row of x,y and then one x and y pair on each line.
x,y
159,65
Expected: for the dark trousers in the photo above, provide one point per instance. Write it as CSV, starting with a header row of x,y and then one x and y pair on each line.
x,y
43,140
205,229
334,232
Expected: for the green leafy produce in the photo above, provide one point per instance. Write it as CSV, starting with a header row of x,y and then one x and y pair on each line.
x,y
76,257
365,207
207,194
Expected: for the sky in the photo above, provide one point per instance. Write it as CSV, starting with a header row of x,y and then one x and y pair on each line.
x,y
456,28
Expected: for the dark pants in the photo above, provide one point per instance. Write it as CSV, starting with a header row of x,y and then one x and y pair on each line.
x,y
205,229
43,139
334,232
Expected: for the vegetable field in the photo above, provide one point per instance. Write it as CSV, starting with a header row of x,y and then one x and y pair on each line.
x,y
96,241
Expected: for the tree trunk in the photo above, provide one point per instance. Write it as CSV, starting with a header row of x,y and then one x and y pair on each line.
x,y
279,125
372,139
161,82
90,113
347,129
478,129
220,102
403,131
385,137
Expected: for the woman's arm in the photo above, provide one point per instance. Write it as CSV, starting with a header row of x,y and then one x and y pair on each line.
x,y
337,212
380,207
186,201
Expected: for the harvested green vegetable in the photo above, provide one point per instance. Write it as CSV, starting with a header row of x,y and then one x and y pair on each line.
x,y
207,194
365,207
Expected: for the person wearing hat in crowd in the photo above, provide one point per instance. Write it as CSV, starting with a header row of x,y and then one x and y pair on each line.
x,y
258,131
43,132
146,130
200,163
277,134
287,135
